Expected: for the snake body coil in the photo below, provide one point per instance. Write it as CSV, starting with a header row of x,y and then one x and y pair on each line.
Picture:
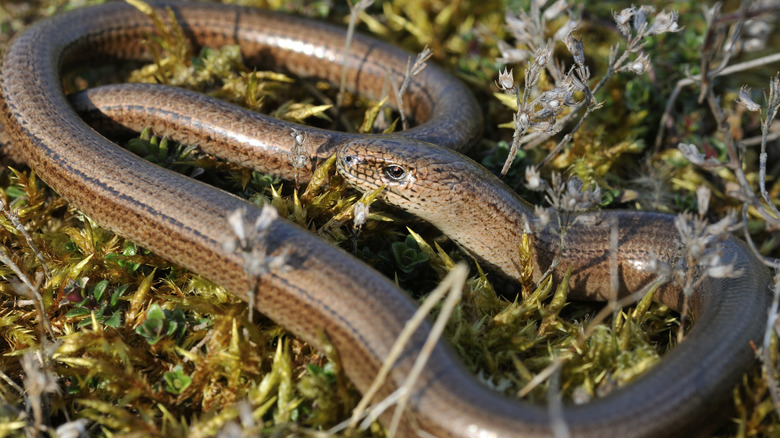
x,y
324,289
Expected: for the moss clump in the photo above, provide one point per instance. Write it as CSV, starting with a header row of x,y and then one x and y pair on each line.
x,y
140,347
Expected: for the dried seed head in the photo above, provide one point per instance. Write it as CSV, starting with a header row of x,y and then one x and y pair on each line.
x,y
722,270
420,61
623,19
723,226
659,267
639,65
570,26
703,199
267,216
574,197
555,9
523,119
744,99
640,17
552,100
533,180
506,81
543,215
250,241
542,56
576,48
572,83
521,26
692,154
360,215
236,221
511,55
298,156
665,21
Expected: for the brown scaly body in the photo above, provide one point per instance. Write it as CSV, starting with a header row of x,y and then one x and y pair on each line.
x,y
324,289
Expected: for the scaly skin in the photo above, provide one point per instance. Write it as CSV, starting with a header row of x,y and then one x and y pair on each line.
x,y
324,289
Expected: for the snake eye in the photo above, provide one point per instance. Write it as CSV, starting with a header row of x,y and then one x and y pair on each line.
x,y
394,172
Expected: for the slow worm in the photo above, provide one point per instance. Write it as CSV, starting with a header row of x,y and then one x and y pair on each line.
x,y
323,289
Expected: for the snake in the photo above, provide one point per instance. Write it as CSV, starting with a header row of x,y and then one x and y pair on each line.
x,y
323,289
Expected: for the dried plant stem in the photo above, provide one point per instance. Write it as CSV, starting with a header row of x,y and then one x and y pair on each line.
x,y
683,316
451,286
666,118
759,139
533,140
773,105
745,194
411,71
727,50
354,11
555,407
28,290
335,109
614,268
565,140
5,258
743,66
10,382
752,13
735,163
766,348
11,215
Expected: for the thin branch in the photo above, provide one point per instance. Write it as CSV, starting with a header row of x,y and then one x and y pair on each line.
x,y
12,216
411,71
728,50
555,407
451,286
742,66
354,11
766,349
749,239
28,289
566,139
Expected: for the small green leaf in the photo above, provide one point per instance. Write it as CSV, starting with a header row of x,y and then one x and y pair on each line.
x,y
176,381
129,249
78,311
114,321
99,289
407,255
315,370
14,192
155,312
117,294
152,329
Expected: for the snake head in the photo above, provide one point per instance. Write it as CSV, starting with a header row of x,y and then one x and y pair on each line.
x,y
422,178
399,165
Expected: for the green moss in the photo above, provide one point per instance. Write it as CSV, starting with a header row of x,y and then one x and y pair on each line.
x,y
148,349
